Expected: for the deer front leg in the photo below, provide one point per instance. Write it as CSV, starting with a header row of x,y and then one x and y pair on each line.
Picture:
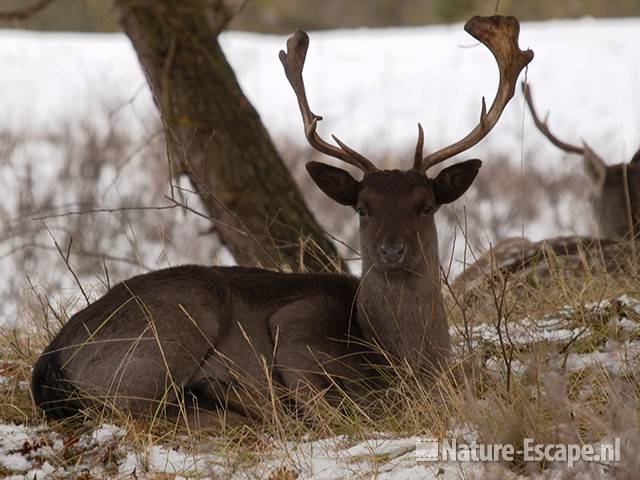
x,y
312,352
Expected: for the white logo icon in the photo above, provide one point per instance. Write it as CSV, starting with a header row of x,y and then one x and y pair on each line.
x,y
426,450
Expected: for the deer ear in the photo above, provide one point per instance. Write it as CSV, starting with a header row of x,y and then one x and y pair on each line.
x,y
595,167
338,184
453,181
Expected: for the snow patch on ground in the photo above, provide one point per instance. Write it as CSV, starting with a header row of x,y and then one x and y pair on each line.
x,y
382,456
23,451
30,452
615,355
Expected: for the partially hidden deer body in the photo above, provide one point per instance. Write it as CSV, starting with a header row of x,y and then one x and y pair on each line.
x,y
615,203
615,198
195,339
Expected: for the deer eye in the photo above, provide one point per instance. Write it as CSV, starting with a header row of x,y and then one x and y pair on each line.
x,y
362,211
426,210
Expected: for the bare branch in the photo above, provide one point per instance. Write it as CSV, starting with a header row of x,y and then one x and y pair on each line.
x,y
78,251
215,221
103,210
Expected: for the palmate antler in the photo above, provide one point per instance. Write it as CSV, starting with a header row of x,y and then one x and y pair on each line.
x,y
499,34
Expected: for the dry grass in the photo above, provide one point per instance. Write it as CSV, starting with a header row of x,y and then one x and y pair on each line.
x,y
511,382
504,390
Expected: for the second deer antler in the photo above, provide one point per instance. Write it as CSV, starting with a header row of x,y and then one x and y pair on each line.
x,y
593,159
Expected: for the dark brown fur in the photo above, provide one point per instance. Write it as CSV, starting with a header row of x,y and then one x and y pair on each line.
x,y
212,337
223,337
616,203
196,311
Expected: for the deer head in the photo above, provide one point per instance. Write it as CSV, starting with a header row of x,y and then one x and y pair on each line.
x,y
616,188
396,207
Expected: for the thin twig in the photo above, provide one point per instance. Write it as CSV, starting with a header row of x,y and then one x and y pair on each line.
x,y
106,273
66,262
82,252
103,210
215,221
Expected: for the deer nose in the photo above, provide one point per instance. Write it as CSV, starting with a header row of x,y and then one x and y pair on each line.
x,y
392,252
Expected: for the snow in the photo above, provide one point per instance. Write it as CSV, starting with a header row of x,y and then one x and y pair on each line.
x,y
331,458
617,359
12,437
54,76
21,446
372,86
14,461
527,331
165,460
107,433
324,459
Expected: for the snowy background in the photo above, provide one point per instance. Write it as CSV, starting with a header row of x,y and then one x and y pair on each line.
x,y
78,130
372,86
68,95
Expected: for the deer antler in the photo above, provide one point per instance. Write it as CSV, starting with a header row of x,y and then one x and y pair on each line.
x,y
593,159
293,63
417,158
543,126
500,35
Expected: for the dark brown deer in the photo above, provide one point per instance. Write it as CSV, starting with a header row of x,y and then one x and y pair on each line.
x,y
615,202
190,340
616,197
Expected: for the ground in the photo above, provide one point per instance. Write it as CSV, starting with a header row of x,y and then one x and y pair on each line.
x,y
532,364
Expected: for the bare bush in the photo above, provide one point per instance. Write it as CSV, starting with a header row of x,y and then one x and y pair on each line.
x,y
97,193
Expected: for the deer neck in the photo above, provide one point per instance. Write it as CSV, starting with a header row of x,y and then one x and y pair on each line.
x,y
404,313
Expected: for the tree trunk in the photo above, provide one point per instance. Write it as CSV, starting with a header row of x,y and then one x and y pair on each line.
x,y
216,136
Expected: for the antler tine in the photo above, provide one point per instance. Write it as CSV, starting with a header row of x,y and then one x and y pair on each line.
x,y
293,63
417,158
500,35
543,125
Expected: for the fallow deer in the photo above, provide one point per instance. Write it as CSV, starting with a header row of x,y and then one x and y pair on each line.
x,y
205,336
615,202
616,188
